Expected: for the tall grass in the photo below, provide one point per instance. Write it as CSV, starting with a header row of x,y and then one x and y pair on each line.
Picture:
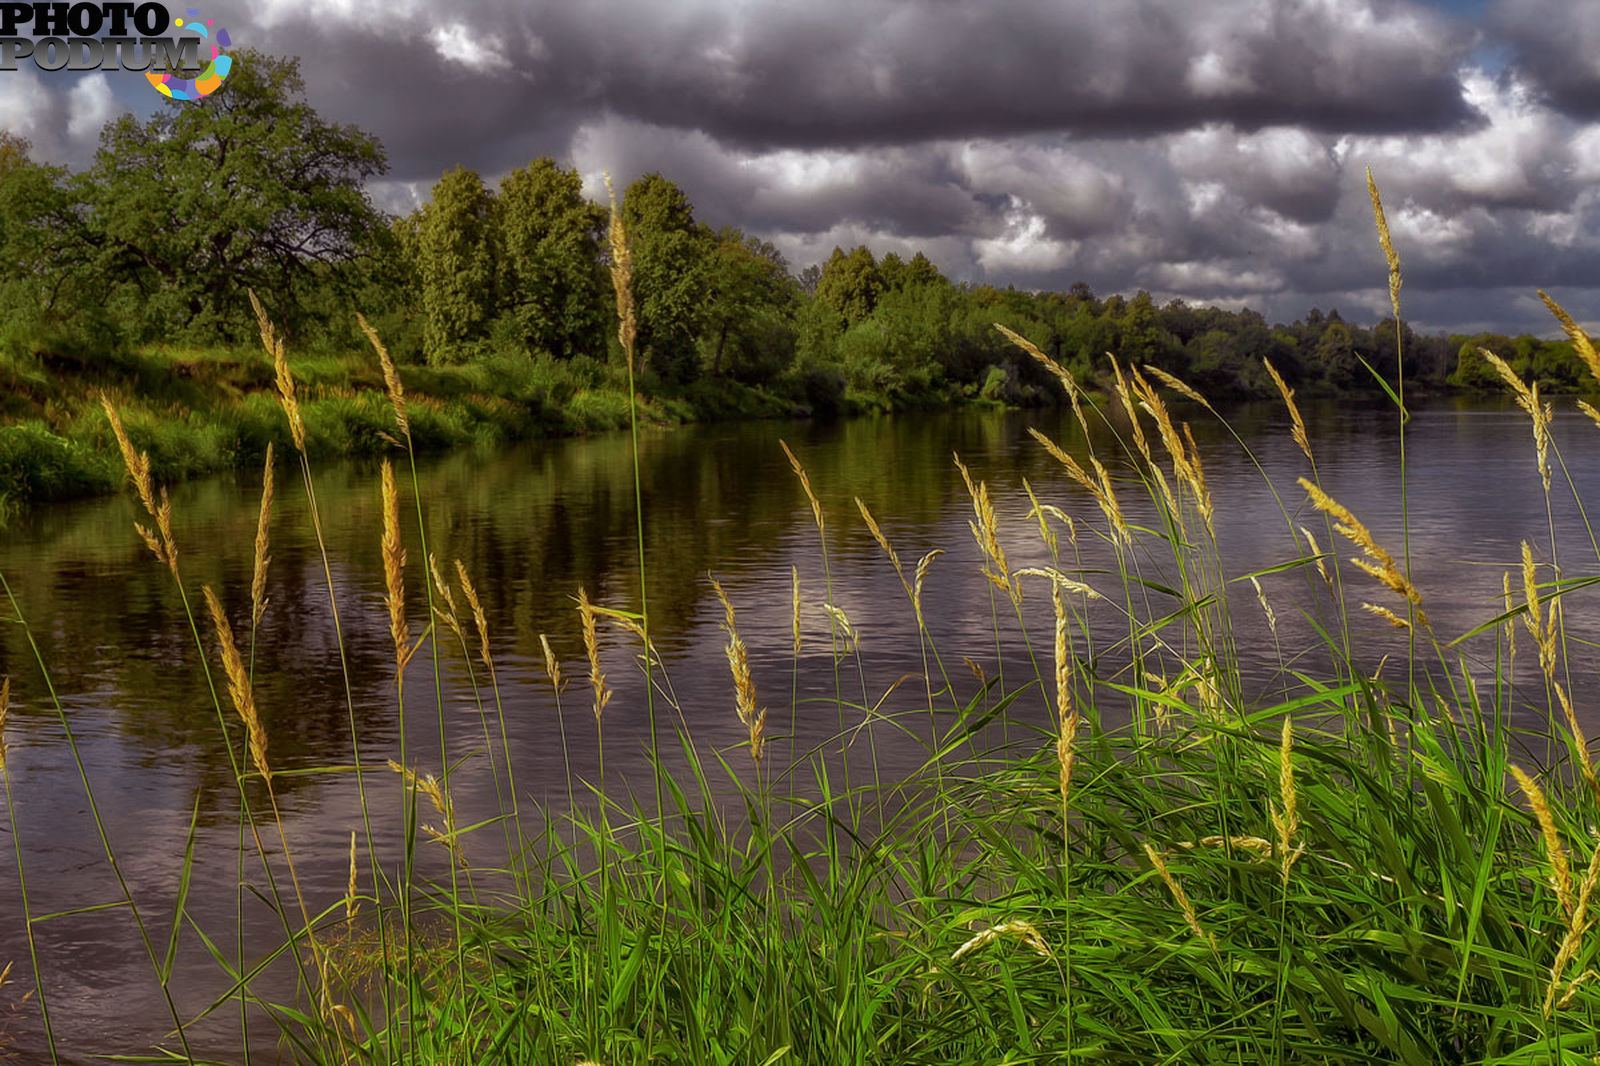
x,y
1115,851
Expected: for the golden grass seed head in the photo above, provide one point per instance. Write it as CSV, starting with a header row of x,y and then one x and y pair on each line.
x,y
805,483
1197,473
1386,569
273,344
794,602
1069,382
622,278
1257,847
1183,388
1036,512
738,655
5,709
394,568
883,541
1578,923
258,571
1387,242
1266,608
1096,488
1594,416
1298,426
986,532
391,378
1286,814
1190,918
1511,623
1542,626
591,645
1527,397
445,606
480,621
1125,395
1066,583
1150,400
1108,497
923,565
1387,615
159,508
1579,741
239,688
429,786
1067,716
552,665
1017,928
137,463
851,638
1581,341
351,903
1555,853
164,526
1530,592
1076,471
1317,554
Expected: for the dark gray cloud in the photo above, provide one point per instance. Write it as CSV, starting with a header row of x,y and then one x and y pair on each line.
x,y
1554,44
1214,151
836,74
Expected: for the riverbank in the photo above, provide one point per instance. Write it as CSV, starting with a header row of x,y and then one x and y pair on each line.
x,y
200,411
203,411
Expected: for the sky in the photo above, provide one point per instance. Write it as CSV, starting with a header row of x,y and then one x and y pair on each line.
x,y
1208,150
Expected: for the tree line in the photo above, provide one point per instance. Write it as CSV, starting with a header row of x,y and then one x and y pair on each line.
x,y
180,215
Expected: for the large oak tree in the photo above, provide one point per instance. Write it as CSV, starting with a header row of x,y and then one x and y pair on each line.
x,y
247,188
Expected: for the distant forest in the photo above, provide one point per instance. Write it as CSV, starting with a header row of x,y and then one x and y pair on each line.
x,y
159,240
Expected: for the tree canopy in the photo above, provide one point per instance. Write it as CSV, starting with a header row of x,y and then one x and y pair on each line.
x,y
248,189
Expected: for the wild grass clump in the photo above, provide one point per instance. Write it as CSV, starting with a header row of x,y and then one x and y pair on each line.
x,y
1122,852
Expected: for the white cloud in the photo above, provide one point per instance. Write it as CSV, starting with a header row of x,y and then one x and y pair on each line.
x,y
59,114
457,43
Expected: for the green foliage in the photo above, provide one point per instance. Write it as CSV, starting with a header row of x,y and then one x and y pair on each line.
x,y
38,463
458,250
752,300
671,275
550,237
850,284
188,209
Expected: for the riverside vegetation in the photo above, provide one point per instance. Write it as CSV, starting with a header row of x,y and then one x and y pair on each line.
x,y
1367,869
494,304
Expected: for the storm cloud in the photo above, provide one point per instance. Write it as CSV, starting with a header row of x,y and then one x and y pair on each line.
x,y
1215,152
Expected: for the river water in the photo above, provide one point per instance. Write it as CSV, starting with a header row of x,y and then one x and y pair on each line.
x,y
532,524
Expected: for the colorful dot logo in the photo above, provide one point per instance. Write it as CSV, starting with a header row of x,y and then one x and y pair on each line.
x,y
210,79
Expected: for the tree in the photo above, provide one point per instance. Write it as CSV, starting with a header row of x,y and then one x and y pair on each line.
x,y
850,284
249,189
670,275
752,299
457,252
42,252
1336,353
554,288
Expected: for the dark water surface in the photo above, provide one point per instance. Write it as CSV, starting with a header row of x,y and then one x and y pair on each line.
x,y
532,524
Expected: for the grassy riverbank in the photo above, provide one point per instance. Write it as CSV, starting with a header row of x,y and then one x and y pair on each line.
x,y
199,411
1155,864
